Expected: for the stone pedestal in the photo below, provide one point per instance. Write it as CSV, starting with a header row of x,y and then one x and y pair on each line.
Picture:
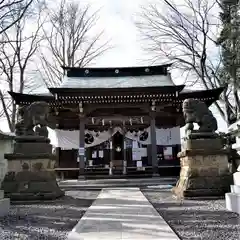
x,y
204,169
31,173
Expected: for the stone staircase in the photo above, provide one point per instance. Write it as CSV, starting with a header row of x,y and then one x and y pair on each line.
x,y
233,198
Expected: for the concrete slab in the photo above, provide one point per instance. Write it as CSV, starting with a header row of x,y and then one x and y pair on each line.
x,y
121,214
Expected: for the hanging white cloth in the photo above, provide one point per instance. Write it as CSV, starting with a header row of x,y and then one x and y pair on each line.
x,y
70,139
164,136
66,139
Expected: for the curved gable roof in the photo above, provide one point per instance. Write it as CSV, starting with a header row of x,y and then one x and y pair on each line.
x,y
124,77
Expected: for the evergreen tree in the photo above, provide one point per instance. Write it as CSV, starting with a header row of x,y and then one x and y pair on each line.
x,y
229,40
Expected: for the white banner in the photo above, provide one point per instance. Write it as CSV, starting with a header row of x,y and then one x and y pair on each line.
x,y
70,139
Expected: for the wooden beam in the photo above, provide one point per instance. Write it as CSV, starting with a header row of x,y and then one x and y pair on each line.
x,y
93,107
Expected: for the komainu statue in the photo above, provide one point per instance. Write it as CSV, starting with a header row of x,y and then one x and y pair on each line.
x,y
33,120
196,111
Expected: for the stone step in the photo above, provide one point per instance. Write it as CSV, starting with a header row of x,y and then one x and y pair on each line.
x,y
122,214
233,202
119,180
235,189
4,206
110,183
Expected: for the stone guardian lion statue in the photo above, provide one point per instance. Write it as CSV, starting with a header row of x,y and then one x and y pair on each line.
x,y
196,111
33,120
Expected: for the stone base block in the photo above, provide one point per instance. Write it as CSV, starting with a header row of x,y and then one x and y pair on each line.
x,y
215,186
32,139
28,185
204,173
16,165
195,134
233,202
32,147
4,206
235,189
35,196
212,144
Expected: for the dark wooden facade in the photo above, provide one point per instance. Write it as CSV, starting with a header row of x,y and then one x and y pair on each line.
x,y
131,106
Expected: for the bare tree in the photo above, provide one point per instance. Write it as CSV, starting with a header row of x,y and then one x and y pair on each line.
x,y
10,7
18,46
186,35
70,40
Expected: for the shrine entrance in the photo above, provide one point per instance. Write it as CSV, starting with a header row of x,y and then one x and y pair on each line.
x,y
118,152
117,121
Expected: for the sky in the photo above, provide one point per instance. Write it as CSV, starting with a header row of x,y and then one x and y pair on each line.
x,y
117,20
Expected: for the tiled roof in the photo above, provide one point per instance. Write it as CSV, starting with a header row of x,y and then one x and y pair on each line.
x,y
117,82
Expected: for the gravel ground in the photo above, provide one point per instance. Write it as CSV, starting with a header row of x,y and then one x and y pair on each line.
x,y
52,221
46,221
193,219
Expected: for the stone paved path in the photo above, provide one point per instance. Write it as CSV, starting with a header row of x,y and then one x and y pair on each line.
x,y
122,214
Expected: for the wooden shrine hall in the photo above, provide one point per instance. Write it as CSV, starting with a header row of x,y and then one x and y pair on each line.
x,y
117,121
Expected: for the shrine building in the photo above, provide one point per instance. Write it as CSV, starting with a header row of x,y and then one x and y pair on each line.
x,y
113,122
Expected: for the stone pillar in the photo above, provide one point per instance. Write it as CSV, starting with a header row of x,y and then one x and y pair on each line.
x,y
204,169
154,146
81,147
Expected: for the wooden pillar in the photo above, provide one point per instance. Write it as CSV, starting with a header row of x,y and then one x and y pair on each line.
x,y
154,145
124,152
124,156
111,158
81,147
111,155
